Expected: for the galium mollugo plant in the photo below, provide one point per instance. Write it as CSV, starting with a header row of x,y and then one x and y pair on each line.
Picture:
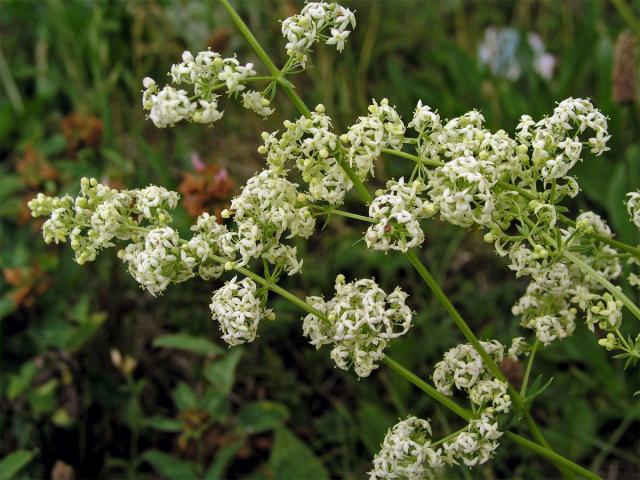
x,y
512,187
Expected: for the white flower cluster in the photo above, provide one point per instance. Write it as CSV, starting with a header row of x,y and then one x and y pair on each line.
x,y
306,28
397,212
310,145
381,128
362,320
265,210
549,315
206,73
554,149
406,452
101,215
476,445
155,261
202,249
462,188
560,290
238,310
463,368
468,187
633,207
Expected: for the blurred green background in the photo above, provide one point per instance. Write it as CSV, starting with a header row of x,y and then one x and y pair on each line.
x,y
101,380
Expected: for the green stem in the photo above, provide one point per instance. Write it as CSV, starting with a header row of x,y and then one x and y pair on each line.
x,y
553,456
260,79
527,373
413,158
244,29
289,90
601,238
428,389
473,340
355,216
617,293
357,183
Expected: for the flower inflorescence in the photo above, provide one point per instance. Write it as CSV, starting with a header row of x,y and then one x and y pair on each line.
x,y
308,27
205,74
407,450
359,322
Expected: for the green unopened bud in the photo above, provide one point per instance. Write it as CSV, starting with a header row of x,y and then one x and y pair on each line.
x,y
429,209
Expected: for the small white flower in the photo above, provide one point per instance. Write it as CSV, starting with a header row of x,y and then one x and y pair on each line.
x,y
168,107
310,145
382,128
474,446
338,38
238,310
397,213
362,321
155,261
254,101
305,29
462,366
406,452
633,207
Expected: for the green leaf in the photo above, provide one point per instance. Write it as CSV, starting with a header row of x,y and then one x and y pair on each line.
x,y
373,423
10,184
14,462
537,388
220,462
7,306
44,398
262,416
163,424
19,382
221,373
169,466
293,460
184,397
189,343
78,337
215,403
